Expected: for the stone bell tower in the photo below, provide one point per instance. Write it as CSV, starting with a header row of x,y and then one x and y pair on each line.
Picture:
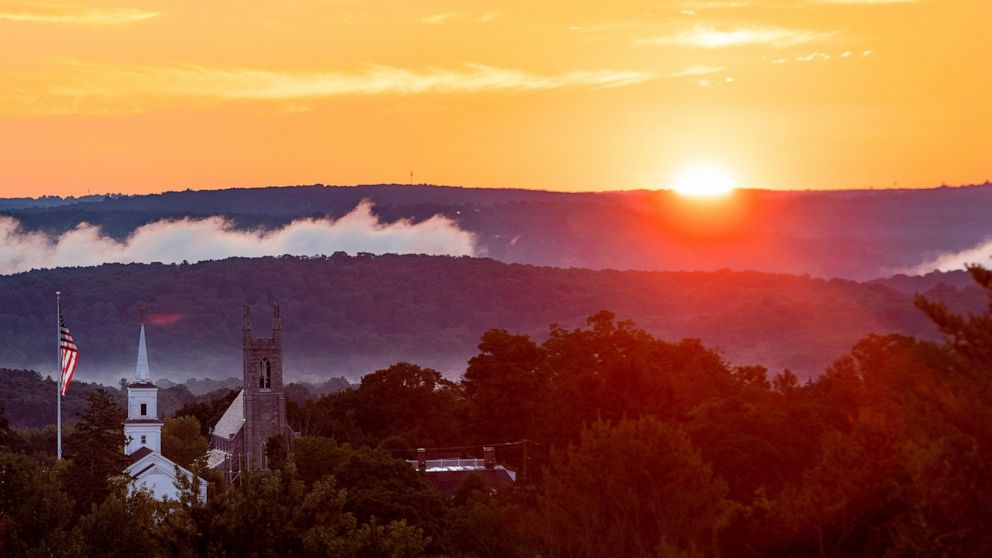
x,y
264,400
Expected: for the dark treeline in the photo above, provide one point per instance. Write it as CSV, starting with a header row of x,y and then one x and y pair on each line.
x,y
635,447
348,315
29,399
783,232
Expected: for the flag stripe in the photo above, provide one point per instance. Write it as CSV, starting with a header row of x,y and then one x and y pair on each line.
x,y
69,353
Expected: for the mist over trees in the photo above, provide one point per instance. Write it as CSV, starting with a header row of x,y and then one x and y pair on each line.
x,y
629,446
783,232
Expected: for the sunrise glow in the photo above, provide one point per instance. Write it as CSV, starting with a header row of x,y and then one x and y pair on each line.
x,y
818,94
704,180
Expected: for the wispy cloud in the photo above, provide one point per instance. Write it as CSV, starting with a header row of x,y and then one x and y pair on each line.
x,y
488,16
73,15
438,18
705,36
606,26
697,71
444,17
713,5
865,2
259,84
824,57
113,88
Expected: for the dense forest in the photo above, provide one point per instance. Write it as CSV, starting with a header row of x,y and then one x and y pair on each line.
x,y
348,315
630,446
858,235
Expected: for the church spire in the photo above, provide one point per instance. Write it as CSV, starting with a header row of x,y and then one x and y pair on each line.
x,y
141,373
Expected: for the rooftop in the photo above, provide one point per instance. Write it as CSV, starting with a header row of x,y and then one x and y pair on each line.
x,y
458,464
233,419
139,454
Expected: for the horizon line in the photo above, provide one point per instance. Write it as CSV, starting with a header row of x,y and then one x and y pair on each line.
x,y
850,189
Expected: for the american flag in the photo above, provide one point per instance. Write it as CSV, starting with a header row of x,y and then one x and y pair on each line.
x,y
69,353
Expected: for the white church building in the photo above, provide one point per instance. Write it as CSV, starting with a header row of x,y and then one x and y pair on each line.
x,y
148,468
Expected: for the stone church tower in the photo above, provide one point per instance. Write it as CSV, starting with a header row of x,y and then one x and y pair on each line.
x,y
258,412
264,400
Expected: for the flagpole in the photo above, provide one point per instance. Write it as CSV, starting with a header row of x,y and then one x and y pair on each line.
x,y
58,384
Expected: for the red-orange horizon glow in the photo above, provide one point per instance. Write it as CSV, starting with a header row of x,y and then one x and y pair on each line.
x,y
146,96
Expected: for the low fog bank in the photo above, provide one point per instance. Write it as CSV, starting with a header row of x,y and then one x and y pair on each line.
x,y
297,368
214,238
953,261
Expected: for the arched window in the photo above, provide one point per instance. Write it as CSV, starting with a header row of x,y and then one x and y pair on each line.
x,y
265,374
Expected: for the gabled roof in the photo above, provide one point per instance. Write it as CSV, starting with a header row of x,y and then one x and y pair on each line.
x,y
149,460
142,472
233,419
138,454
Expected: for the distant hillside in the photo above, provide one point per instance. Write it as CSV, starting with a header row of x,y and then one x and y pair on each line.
x,y
859,235
345,316
44,202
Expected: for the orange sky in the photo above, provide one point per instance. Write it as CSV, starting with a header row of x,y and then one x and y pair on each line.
x,y
560,94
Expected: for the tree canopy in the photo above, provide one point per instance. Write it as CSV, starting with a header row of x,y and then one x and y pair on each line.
x,y
628,446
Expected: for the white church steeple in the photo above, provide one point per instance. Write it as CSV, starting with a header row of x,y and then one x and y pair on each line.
x,y
143,426
141,373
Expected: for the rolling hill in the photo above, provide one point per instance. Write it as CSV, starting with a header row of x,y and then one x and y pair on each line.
x,y
347,315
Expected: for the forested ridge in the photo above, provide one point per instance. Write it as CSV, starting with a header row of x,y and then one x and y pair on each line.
x,y
630,446
347,315
861,234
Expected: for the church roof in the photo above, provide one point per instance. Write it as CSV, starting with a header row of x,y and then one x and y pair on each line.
x,y
145,460
139,454
233,419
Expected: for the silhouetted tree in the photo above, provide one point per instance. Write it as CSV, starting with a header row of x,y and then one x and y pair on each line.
x,y
405,400
182,441
505,387
122,525
35,511
96,450
638,489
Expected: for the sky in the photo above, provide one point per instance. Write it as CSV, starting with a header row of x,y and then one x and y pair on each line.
x,y
139,97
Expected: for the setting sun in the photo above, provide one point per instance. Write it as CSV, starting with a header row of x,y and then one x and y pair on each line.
x,y
703,181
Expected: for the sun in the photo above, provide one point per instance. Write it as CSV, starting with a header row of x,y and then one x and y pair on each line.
x,y
703,180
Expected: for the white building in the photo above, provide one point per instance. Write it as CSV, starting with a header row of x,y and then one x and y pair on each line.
x,y
149,469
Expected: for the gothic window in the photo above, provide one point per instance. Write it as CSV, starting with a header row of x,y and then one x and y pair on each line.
x,y
144,409
265,374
